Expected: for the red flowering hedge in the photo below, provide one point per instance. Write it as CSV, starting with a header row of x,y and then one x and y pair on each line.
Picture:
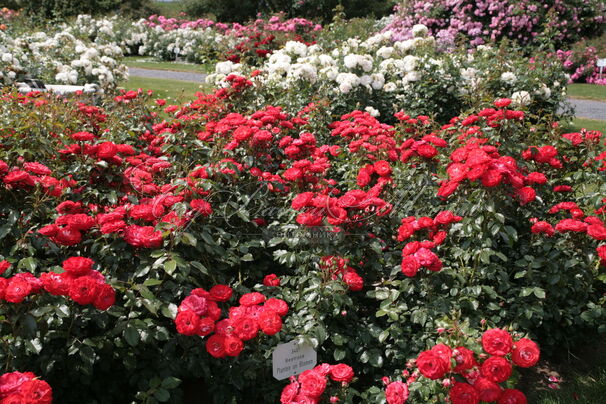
x,y
147,246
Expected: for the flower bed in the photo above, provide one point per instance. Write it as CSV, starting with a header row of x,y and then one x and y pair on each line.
x,y
59,58
485,21
414,75
148,246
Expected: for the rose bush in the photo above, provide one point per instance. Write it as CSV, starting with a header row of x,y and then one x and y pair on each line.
x,y
491,20
413,74
169,213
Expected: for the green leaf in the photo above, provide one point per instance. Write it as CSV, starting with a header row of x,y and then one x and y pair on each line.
x,y
170,267
131,335
152,282
170,382
162,395
339,354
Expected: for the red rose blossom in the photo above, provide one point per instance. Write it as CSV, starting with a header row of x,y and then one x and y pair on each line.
x,y
463,393
497,342
341,373
526,353
432,365
396,393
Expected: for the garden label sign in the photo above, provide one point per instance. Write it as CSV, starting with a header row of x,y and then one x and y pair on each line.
x,y
291,358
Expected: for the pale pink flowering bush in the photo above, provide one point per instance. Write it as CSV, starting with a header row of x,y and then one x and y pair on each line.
x,y
491,20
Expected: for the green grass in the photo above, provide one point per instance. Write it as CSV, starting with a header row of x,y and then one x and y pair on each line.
x,y
180,91
590,124
168,9
577,388
147,63
587,91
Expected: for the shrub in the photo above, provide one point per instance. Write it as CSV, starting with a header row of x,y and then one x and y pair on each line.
x,y
492,20
49,9
374,236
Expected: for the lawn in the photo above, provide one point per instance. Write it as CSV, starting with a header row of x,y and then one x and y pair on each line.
x,y
180,91
591,124
168,8
587,388
147,63
587,91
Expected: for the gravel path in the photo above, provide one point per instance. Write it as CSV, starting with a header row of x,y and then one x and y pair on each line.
x,y
589,109
167,74
584,108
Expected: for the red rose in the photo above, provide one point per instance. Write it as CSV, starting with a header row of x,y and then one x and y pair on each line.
x,y
488,391
3,285
82,136
410,265
83,290
56,284
201,206
215,346
512,396
526,195
497,342
36,391
246,328
354,281
187,322
17,289
271,280
279,306
382,168
10,382
105,298
432,365
78,266
526,353
49,231
68,236
543,227
233,345
206,326
213,310
443,351
465,359
496,369
289,393
194,303
250,299
341,373
463,393
502,102
143,236
312,383
396,393
220,293
269,322
106,150
4,265
16,398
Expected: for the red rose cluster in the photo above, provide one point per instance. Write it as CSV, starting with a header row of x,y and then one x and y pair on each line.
x,y
199,314
544,155
337,267
418,254
483,375
24,388
79,282
478,162
30,175
309,386
593,226
380,169
366,135
352,208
